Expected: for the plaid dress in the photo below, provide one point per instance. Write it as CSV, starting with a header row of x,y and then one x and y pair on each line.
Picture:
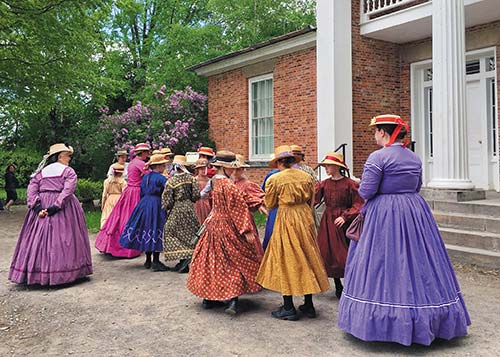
x,y
179,196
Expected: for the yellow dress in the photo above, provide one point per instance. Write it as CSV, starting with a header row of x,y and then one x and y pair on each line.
x,y
292,264
113,188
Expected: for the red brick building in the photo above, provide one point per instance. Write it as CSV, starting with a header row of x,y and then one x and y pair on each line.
x,y
319,88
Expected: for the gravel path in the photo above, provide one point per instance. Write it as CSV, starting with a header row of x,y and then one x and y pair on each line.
x,y
125,310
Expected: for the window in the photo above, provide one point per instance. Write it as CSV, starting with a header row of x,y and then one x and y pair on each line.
x,y
261,117
472,67
428,119
490,64
492,116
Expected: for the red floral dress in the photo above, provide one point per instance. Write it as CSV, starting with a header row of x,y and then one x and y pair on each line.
x,y
341,200
224,263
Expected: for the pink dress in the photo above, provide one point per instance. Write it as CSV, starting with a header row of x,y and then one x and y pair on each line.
x,y
53,250
108,238
254,197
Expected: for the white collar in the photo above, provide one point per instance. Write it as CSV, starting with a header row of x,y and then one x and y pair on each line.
x,y
53,170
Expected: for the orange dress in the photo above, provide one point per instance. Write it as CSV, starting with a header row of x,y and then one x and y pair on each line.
x,y
203,206
113,188
254,196
224,263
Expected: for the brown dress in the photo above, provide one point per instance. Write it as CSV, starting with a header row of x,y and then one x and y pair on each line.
x,y
113,188
203,206
180,193
254,197
341,200
224,263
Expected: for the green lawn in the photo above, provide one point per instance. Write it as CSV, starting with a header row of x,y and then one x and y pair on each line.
x,y
93,219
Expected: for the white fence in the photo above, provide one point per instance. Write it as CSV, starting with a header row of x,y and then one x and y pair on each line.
x,y
370,8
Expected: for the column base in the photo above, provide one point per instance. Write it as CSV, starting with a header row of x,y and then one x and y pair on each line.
x,y
431,194
450,184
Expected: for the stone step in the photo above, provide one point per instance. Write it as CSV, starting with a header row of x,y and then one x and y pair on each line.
x,y
468,222
479,257
471,239
474,208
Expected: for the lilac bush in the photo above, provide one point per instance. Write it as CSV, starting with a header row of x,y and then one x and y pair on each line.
x,y
178,121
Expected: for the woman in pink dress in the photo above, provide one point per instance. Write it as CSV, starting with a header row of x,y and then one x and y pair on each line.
x,y
254,197
53,246
107,240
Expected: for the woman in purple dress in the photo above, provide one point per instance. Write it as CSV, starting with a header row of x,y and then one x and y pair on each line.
x,y
399,282
53,246
108,238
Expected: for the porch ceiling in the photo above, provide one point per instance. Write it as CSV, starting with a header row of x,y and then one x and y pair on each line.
x,y
415,23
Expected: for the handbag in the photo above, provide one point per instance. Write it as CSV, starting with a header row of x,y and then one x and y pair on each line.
x,y
356,228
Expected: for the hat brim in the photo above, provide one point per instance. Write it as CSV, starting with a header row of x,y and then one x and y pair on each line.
x,y
157,163
274,161
331,162
227,165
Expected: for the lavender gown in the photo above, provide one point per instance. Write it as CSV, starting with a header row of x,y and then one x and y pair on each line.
x,y
52,250
399,282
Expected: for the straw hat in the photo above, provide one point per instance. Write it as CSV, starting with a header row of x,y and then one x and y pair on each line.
x,y
179,160
240,161
166,151
142,147
334,158
121,153
225,158
206,151
280,152
118,167
200,163
56,148
157,159
387,119
297,150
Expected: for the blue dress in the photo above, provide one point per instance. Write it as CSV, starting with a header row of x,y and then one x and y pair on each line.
x,y
400,285
272,213
144,229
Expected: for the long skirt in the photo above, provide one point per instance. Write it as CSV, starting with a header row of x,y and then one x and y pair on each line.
x,y
399,282
52,250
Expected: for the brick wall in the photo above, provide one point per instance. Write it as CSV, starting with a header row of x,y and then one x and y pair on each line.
x,y
376,87
294,107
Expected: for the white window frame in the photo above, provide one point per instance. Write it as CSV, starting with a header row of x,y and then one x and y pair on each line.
x,y
252,80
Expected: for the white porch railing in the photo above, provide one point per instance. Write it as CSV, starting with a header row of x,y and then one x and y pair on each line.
x,y
370,8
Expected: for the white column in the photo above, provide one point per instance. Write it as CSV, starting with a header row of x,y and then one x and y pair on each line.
x,y
334,76
451,164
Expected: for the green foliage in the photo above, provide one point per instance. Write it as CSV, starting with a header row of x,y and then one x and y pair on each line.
x,y
87,190
93,221
25,160
260,219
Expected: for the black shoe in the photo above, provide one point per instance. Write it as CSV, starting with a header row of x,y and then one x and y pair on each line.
x,y
159,266
147,264
232,309
207,304
282,314
177,266
184,268
309,311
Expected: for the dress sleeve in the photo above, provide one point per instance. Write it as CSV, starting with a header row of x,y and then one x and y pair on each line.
x,y
195,191
167,197
356,202
70,180
238,209
33,192
319,192
271,197
254,196
371,178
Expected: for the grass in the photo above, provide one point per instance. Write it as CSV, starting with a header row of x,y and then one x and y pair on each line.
x,y
260,219
21,195
93,220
